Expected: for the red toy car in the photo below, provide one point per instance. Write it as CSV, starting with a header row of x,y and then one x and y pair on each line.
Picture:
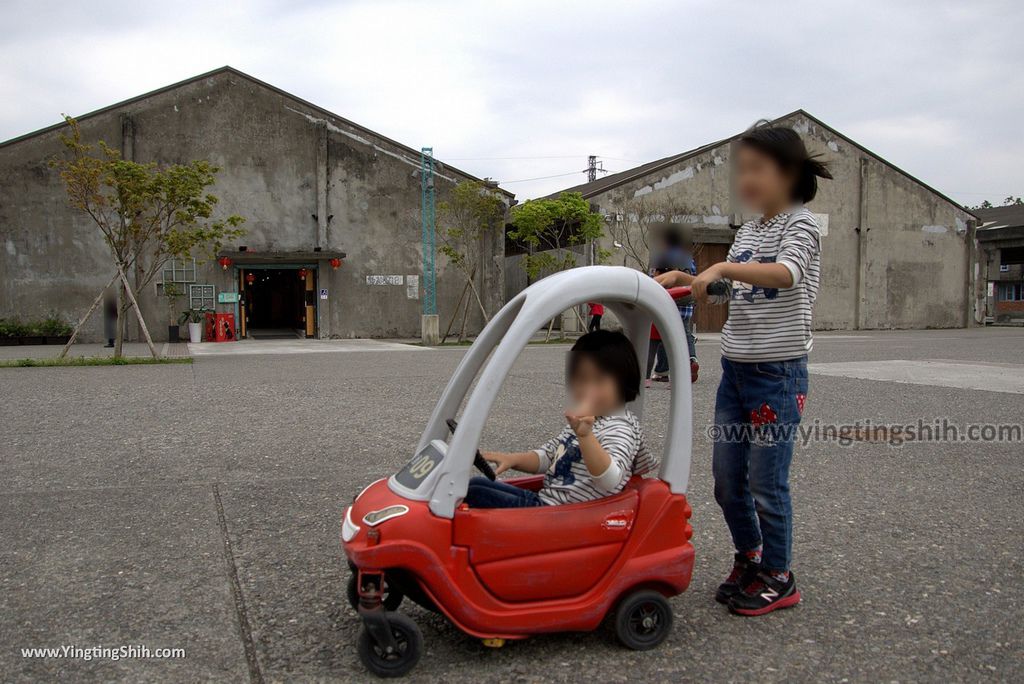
x,y
510,573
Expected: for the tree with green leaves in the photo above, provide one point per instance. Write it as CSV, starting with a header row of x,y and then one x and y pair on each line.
x,y
1010,201
550,228
146,213
471,217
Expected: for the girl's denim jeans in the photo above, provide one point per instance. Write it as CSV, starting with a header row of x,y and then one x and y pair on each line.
x,y
484,493
757,414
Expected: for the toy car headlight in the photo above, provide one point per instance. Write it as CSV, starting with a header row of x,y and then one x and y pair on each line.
x,y
374,518
348,529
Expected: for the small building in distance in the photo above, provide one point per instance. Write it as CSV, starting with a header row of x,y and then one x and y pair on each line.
x,y
896,253
1001,262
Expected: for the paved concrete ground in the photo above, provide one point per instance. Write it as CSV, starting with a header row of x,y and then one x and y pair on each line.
x,y
49,351
197,507
295,346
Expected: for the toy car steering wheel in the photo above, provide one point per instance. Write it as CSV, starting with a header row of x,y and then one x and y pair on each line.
x,y
479,461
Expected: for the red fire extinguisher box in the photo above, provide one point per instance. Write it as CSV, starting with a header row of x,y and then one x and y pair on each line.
x,y
225,327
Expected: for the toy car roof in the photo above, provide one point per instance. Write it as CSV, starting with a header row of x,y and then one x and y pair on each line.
x,y
635,299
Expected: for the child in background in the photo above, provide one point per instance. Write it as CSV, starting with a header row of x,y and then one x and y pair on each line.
x,y
773,267
601,447
673,254
596,311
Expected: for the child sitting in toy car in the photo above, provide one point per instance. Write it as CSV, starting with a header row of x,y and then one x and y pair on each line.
x,y
601,447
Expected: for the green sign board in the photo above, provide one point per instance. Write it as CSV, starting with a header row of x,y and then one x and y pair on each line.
x,y
228,297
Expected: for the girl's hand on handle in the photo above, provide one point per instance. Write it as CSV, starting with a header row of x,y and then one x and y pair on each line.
x,y
699,286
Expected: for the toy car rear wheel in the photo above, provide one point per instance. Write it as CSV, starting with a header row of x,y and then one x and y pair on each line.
x,y
400,661
391,600
643,620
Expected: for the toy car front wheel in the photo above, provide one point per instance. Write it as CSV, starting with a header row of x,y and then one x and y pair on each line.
x,y
643,620
391,599
401,659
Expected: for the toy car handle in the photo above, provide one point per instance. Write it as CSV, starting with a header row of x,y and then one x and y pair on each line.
x,y
679,292
719,288
479,461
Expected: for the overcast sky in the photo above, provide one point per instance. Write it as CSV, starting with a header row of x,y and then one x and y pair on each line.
x,y
521,90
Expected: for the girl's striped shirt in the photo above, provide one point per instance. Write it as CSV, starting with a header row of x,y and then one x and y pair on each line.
x,y
768,324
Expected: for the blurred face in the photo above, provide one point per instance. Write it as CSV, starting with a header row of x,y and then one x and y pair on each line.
x,y
592,386
761,183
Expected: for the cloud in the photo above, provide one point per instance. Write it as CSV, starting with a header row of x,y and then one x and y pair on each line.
x,y
933,86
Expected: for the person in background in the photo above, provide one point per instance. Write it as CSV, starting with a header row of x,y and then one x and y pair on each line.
x,y
673,254
596,311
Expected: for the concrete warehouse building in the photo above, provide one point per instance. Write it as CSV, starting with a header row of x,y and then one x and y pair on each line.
x,y
1001,262
312,186
896,253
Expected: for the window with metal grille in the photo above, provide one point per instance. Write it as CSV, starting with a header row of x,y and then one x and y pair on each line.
x,y
202,297
180,271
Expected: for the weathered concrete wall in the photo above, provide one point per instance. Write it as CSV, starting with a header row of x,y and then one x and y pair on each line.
x,y
904,248
266,143
694,191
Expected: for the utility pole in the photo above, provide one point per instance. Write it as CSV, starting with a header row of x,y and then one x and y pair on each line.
x,y
429,326
593,166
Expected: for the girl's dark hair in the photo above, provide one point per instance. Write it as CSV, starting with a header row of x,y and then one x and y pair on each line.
x,y
786,148
612,352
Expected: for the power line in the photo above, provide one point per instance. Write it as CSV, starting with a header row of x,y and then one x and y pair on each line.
x,y
560,156
557,175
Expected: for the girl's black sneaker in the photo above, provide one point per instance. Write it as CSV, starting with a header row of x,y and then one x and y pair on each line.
x,y
743,570
763,594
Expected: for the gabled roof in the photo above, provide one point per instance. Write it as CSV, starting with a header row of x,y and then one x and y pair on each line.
x,y
616,179
994,218
251,79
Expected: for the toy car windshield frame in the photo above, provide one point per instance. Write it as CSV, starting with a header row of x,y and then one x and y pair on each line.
x,y
635,299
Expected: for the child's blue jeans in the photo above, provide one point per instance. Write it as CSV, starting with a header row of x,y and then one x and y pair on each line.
x,y
757,414
484,493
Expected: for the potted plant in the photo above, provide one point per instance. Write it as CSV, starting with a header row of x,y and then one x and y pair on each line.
x,y
173,293
194,318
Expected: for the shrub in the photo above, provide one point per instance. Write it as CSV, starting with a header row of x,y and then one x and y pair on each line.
x,y
51,326
12,328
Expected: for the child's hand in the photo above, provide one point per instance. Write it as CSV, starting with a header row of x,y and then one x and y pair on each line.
x,y
581,420
501,460
699,286
670,279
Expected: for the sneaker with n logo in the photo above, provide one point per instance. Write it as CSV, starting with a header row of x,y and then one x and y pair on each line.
x,y
763,594
743,570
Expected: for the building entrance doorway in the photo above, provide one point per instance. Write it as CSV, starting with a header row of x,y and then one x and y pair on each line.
x,y
709,318
279,302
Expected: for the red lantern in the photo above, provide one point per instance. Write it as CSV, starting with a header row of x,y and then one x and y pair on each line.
x,y
302,274
250,277
335,263
224,262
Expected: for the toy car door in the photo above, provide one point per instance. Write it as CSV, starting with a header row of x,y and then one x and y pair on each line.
x,y
546,552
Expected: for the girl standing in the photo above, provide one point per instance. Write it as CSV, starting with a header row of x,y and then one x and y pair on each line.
x,y
773,267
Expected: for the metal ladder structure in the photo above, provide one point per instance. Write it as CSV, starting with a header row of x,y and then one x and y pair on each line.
x,y
428,220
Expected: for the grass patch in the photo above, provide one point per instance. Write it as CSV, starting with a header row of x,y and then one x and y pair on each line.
x,y
94,361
